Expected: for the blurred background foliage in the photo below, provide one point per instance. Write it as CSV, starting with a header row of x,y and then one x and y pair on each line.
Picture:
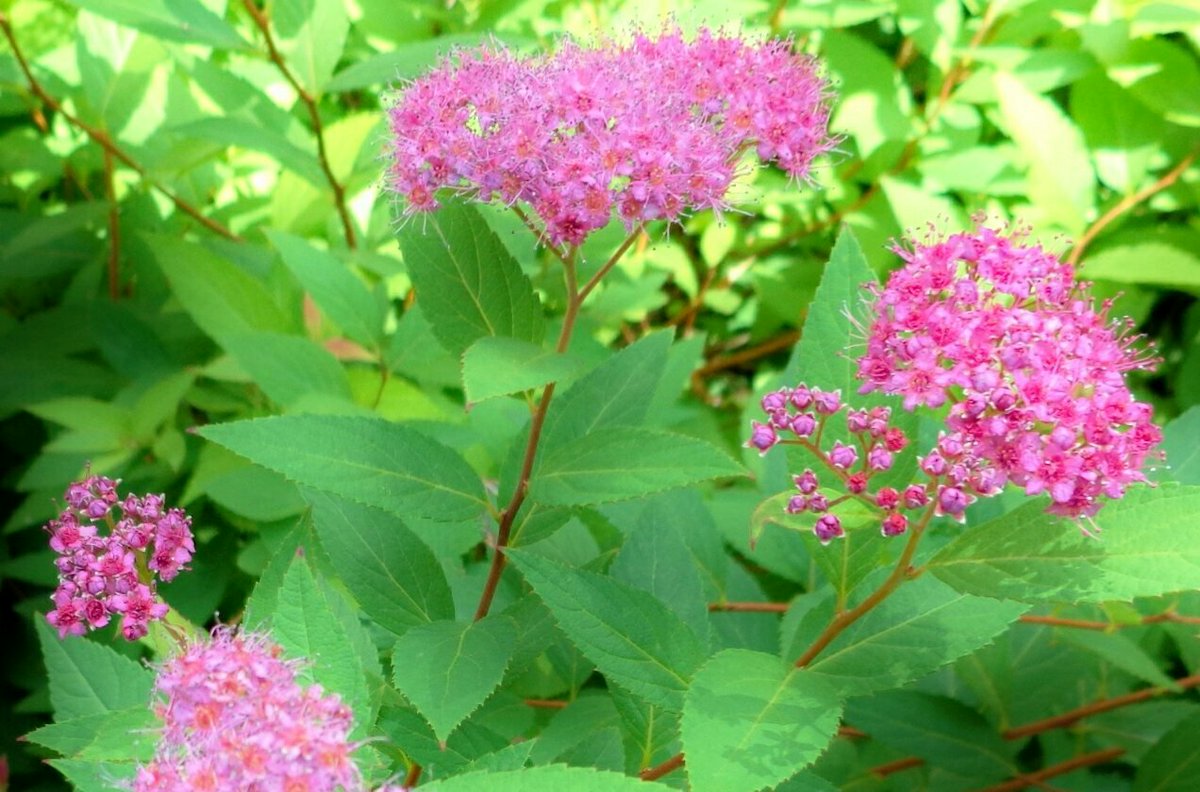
x,y
192,230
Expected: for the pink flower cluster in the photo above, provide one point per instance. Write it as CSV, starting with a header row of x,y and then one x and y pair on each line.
x,y
651,129
799,416
1033,370
113,574
235,718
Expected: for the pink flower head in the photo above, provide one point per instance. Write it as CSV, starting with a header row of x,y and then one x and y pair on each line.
x,y
1033,369
101,576
651,128
235,717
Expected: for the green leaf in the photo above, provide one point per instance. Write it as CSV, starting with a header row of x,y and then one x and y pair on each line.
x,y
1173,764
495,366
1150,546
751,721
220,297
370,461
87,678
252,134
1168,79
305,626
1180,446
1123,135
634,640
923,625
344,298
618,464
615,393
88,733
943,732
190,23
395,577
1144,263
288,367
874,103
311,35
656,558
409,59
845,562
1060,176
552,778
466,281
1122,652
447,669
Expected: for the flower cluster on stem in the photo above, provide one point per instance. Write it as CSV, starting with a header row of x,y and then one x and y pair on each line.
x,y
799,416
650,129
235,717
102,575
1033,370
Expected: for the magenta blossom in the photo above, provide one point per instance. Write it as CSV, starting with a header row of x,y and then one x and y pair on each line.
x,y
649,129
113,575
1033,370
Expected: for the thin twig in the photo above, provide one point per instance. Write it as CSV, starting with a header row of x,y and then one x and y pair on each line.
x,y
1127,203
768,347
898,766
310,104
775,21
1095,708
102,139
1062,768
413,776
546,703
900,573
658,771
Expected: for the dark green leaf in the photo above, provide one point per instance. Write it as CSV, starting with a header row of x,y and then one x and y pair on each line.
x,y
633,639
366,460
468,285
618,464
394,575
1150,546
922,626
338,292
1173,764
552,778
87,678
941,731
288,367
495,366
447,669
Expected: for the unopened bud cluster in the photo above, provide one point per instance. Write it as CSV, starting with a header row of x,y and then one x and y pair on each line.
x,y
799,416
103,575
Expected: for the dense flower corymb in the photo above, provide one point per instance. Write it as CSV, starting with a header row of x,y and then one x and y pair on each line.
x,y
235,718
102,576
652,128
1033,370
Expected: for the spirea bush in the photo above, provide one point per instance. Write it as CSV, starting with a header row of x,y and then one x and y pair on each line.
x,y
527,414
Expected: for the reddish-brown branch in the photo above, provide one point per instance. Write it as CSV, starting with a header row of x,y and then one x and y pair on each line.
x,y
546,703
658,771
770,346
1062,768
413,776
900,573
898,766
101,138
1095,708
1127,203
310,105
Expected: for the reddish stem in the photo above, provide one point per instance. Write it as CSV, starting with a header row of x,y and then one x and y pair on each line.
x,y
1062,768
658,771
